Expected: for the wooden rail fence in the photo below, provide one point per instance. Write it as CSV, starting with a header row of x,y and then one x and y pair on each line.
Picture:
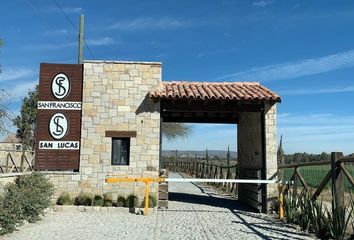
x,y
16,161
206,170
335,177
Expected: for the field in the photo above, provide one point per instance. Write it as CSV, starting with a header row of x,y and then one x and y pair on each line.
x,y
314,175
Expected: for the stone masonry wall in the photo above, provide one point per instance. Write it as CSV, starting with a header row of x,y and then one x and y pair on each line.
x,y
115,99
249,140
271,147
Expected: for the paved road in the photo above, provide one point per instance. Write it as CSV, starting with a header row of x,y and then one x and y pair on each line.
x,y
195,212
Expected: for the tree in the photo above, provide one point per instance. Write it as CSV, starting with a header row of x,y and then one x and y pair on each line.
x,y
5,114
175,130
26,122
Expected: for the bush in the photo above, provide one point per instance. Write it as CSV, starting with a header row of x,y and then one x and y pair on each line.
x,y
36,194
11,210
152,201
65,199
132,201
25,199
98,200
121,201
84,199
107,200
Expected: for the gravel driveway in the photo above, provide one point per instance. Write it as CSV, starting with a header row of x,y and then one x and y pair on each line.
x,y
195,212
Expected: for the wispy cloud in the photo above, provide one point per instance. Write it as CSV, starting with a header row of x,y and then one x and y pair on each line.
x,y
296,69
20,90
10,74
56,32
105,41
50,46
317,91
152,23
73,9
262,3
316,132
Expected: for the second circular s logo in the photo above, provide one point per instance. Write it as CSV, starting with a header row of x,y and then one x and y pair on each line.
x,y
60,86
58,126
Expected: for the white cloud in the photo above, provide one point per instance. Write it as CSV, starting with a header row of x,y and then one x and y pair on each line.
x,y
56,32
296,69
105,41
316,132
317,91
51,46
73,9
152,23
10,74
21,89
262,3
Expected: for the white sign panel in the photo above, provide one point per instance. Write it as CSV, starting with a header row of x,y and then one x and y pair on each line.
x,y
50,105
58,145
58,126
60,86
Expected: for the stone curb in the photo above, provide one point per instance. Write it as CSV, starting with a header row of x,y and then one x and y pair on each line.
x,y
73,208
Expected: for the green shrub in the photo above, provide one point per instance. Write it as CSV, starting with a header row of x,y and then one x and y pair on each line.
x,y
107,200
97,200
121,201
152,201
25,199
84,199
132,201
11,210
36,194
65,199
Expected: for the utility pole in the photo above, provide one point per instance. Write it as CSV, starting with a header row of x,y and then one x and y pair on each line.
x,y
81,39
228,157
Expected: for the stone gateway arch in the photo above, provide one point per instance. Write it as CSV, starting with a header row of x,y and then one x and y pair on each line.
x,y
103,118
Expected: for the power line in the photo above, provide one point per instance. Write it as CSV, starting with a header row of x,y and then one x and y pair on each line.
x,y
66,16
73,25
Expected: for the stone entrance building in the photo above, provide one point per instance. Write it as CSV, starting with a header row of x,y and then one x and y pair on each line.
x,y
123,106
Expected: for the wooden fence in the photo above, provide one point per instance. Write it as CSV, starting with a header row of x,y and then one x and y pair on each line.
x,y
335,177
16,161
206,170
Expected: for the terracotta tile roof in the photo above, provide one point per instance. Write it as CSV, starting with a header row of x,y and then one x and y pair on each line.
x,y
237,91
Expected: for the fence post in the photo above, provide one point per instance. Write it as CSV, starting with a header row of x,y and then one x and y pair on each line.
x,y
295,182
22,161
337,181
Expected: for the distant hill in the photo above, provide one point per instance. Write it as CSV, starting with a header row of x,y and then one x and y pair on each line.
x,y
192,153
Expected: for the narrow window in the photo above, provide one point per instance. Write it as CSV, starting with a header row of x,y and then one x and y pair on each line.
x,y
120,151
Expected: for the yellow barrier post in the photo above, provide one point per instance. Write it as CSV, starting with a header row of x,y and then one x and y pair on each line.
x,y
145,180
281,201
147,190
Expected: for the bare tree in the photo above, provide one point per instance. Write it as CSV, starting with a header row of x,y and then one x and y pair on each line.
x,y
175,130
5,113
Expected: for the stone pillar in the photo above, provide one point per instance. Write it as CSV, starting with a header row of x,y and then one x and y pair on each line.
x,y
271,147
250,151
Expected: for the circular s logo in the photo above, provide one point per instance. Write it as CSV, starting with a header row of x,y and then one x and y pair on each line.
x,y
60,86
58,126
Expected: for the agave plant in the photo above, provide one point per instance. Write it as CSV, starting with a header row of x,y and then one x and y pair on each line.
x,y
291,209
339,221
306,208
352,207
319,220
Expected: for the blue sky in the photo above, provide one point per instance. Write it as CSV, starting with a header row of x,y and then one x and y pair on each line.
x,y
303,50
